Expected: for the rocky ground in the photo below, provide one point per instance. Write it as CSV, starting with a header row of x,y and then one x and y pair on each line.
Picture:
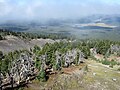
x,y
98,77
14,43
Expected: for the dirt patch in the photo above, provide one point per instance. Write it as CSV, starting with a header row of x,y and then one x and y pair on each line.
x,y
14,43
57,81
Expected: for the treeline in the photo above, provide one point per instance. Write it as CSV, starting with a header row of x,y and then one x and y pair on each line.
x,y
30,36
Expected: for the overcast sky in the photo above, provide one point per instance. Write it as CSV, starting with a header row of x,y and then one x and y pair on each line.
x,y
46,9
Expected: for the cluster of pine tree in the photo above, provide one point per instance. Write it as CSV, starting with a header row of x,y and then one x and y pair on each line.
x,y
50,49
62,47
29,36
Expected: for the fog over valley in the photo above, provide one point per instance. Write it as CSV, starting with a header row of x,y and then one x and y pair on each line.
x,y
40,10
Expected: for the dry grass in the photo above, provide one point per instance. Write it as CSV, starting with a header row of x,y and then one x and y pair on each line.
x,y
98,77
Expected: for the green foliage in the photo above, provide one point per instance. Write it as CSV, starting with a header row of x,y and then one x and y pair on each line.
x,y
5,64
1,38
36,50
119,69
106,62
110,63
58,67
37,63
15,55
1,55
86,68
21,88
118,63
42,76
113,62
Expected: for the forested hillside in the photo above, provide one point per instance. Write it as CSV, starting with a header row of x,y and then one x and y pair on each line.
x,y
21,66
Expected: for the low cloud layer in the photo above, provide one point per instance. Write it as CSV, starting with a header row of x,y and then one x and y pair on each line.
x,y
46,9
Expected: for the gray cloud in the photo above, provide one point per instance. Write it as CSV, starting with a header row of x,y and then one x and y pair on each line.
x,y
40,9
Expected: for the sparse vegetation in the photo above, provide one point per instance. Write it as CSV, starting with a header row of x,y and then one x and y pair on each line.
x,y
119,69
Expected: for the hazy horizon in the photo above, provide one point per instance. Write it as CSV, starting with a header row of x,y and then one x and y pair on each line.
x,y
35,10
